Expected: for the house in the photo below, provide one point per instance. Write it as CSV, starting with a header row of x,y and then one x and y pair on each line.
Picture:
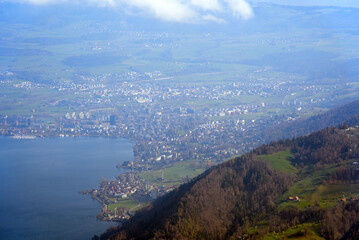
x,y
296,199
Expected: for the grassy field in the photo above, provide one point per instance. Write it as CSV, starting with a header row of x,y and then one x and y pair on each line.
x,y
312,189
174,174
126,203
35,101
306,231
305,186
280,161
333,192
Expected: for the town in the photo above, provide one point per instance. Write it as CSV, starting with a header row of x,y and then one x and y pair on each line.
x,y
168,122
206,123
126,187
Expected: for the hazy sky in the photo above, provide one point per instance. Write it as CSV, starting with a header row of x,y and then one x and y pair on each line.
x,y
192,11
339,3
168,10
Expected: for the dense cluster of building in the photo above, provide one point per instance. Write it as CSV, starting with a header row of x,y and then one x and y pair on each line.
x,y
127,185
168,122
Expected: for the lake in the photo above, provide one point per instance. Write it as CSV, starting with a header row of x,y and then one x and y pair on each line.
x,y
40,180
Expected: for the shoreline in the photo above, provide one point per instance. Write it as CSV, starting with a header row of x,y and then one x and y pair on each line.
x,y
23,137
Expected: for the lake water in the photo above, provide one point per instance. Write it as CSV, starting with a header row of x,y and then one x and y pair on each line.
x,y
40,181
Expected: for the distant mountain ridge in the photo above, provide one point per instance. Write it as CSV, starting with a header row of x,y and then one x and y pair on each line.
x,y
304,188
343,114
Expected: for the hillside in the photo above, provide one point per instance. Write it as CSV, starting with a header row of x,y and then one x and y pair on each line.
x,y
305,188
346,113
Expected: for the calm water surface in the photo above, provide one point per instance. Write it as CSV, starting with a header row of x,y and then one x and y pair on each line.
x,y
40,180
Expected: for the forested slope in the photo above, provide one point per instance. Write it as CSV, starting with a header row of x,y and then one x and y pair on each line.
x,y
253,196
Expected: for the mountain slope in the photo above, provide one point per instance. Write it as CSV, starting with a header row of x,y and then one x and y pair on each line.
x,y
250,196
214,205
346,113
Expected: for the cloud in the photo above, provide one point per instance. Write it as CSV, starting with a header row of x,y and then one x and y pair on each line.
x,y
184,11
102,3
211,18
211,5
168,10
240,9
192,10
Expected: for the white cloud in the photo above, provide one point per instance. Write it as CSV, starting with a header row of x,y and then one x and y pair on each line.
x,y
211,18
169,10
186,11
240,8
102,3
211,5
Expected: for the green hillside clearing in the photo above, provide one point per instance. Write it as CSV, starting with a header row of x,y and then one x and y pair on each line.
x,y
280,161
